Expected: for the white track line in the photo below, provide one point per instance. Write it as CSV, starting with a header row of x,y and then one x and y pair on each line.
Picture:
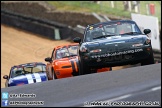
x,y
156,88
120,97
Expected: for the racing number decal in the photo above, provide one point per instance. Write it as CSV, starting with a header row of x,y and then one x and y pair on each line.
x,y
77,65
74,64
34,80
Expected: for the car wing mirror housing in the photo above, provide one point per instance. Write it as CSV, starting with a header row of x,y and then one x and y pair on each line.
x,y
77,39
5,77
48,59
147,31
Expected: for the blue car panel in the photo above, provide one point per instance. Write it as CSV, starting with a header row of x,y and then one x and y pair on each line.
x,y
26,74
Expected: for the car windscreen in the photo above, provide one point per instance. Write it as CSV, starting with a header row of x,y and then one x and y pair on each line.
x,y
17,71
111,29
61,53
66,52
73,50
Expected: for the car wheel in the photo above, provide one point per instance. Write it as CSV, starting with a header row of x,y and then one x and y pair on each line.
x,y
149,60
49,74
80,69
53,74
84,69
110,68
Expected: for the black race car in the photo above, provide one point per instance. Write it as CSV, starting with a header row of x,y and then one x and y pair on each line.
x,y
113,43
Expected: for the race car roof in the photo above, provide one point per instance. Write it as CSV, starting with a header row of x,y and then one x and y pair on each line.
x,y
66,45
110,22
29,64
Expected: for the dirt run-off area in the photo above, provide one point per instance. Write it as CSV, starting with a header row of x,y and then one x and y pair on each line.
x,y
18,47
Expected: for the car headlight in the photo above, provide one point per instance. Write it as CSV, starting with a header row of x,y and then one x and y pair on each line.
x,y
10,81
137,45
96,50
148,41
83,49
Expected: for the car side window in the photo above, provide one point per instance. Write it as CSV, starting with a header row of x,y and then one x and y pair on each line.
x,y
58,54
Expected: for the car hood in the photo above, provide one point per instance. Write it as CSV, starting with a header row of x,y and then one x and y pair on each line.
x,y
114,41
65,62
28,79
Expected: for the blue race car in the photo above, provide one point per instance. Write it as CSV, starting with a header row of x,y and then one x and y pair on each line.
x,y
26,74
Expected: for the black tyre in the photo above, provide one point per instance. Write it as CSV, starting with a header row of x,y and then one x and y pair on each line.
x,y
84,69
80,68
149,60
54,74
110,68
50,74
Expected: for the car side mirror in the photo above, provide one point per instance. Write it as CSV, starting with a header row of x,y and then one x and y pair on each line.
x,y
5,77
77,39
147,31
48,59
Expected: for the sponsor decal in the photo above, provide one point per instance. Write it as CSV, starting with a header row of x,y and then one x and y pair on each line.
x,y
114,42
91,28
29,78
118,53
37,77
98,60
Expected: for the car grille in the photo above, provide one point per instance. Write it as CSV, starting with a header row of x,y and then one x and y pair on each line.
x,y
118,47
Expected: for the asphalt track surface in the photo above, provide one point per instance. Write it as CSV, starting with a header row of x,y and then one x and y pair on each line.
x,y
142,83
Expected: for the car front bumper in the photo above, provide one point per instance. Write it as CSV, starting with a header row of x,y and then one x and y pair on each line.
x,y
131,56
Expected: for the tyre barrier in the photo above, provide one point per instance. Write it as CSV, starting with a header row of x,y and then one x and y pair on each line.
x,y
46,28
